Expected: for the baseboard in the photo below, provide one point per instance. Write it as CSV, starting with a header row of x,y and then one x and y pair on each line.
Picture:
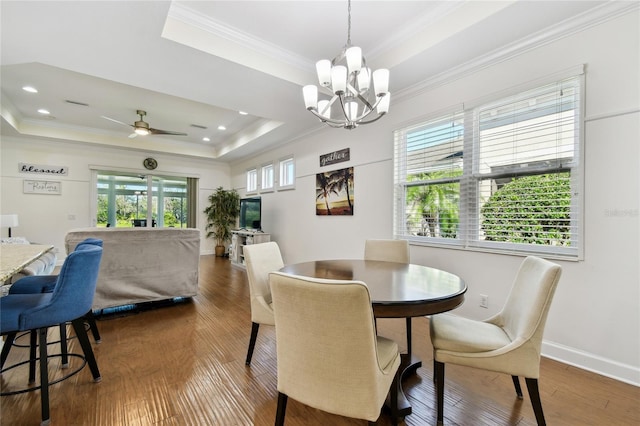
x,y
606,367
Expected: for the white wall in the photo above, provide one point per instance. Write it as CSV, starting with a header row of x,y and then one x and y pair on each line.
x,y
47,218
594,321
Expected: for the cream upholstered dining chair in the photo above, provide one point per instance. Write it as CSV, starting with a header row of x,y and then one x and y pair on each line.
x,y
260,260
509,342
329,356
390,251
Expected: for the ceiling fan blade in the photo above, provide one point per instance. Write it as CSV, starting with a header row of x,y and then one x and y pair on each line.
x,y
132,135
165,132
115,121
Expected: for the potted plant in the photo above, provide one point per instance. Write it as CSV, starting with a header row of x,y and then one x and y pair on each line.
x,y
222,212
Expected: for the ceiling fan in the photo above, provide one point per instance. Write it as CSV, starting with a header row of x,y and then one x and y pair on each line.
x,y
141,127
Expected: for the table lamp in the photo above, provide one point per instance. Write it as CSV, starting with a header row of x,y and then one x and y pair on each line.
x,y
9,221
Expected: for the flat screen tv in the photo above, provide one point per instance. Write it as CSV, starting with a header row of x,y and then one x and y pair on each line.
x,y
251,213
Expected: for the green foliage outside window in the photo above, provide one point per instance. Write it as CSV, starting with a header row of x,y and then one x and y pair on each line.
x,y
530,210
434,207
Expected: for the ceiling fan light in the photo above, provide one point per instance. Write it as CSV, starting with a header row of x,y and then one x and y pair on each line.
x,y
141,131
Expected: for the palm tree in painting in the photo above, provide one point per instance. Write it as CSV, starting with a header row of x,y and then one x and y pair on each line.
x,y
325,186
344,180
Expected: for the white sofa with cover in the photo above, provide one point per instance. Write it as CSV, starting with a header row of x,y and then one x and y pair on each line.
x,y
142,264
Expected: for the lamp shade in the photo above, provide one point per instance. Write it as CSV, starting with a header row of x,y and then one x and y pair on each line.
x,y
9,220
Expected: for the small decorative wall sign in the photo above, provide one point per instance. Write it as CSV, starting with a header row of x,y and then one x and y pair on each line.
x,y
334,193
41,187
42,170
335,157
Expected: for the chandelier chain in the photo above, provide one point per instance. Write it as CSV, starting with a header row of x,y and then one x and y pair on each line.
x,y
349,24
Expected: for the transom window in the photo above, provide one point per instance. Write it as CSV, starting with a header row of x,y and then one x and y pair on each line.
x,y
504,175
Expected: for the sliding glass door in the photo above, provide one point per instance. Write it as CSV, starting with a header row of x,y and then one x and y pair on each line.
x,y
132,200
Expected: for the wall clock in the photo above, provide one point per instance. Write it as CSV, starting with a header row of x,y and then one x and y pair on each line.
x,y
150,163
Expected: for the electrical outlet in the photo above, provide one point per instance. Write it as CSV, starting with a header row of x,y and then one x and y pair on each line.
x,y
484,301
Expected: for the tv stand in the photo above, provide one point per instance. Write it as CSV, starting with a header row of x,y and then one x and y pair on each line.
x,y
241,238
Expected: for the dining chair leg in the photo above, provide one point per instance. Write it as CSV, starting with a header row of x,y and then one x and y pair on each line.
x,y
6,348
393,400
91,320
33,344
439,373
64,351
81,334
516,384
409,335
282,409
252,342
534,394
44,376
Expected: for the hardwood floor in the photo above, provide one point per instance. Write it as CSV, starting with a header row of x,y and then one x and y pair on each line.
x,y
184,365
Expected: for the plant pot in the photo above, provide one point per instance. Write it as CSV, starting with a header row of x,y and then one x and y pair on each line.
x,y
219,251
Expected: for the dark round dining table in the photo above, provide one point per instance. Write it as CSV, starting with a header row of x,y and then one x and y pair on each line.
x,y
397,290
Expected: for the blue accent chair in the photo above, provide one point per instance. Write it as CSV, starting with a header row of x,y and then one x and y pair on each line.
x,y
70,300
45,284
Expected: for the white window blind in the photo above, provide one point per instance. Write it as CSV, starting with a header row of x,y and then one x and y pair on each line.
x,y
505,175
267,177
287,173
252,180
428,172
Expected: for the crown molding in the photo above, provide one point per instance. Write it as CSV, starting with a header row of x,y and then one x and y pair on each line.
x,y
191,17
568,27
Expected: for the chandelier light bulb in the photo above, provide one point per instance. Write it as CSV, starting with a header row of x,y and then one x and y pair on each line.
x,y
381,81
310,93
339,79
354,59
383,105
352,110
364,79
323,68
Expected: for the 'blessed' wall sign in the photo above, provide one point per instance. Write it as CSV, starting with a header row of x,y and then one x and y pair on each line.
x,y
42,170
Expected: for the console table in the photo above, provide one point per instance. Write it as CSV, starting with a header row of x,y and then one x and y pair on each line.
x,y
241,238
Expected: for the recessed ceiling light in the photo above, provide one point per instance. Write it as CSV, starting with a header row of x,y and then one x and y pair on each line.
x,y
206,139
43,111
30,89
243,113
222,128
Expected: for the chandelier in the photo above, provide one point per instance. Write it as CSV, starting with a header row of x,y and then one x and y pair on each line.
x,y
346,80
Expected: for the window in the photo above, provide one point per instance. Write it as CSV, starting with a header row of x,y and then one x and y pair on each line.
x,y
252,180
287,178
123,201
267,177
504,175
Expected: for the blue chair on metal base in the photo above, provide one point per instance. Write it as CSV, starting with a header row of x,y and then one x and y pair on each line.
x,y
70,300
44,284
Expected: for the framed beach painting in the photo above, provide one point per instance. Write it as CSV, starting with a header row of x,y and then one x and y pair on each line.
x,y
334,193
